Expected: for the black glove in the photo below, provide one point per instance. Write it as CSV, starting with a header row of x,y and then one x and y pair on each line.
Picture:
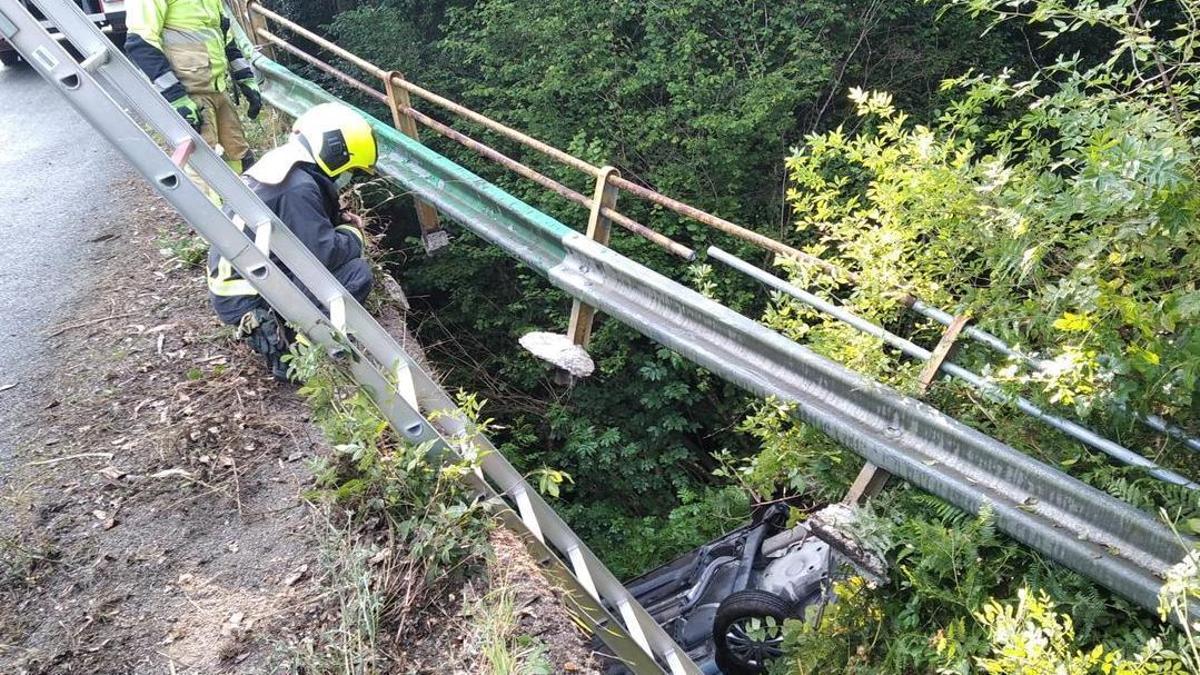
x,y
189,111
249,89
270,337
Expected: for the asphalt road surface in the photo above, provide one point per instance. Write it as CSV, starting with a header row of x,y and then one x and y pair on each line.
x,y
58,194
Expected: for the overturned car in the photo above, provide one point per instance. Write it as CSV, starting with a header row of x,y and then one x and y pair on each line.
x,y
725,603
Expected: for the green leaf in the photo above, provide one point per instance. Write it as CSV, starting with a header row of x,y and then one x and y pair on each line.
x,y
1073,323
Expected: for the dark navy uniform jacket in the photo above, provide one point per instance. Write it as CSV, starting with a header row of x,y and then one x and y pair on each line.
x,y
306,200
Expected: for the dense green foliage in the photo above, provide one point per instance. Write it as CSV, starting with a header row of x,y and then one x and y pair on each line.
x,y
1060,209
697,99
1041,175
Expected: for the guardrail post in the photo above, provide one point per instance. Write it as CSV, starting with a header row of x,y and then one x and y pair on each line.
x,y
432,234
599,230
871,478
941,352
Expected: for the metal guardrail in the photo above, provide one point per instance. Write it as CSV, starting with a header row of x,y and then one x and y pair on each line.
x,y
1083,528
1072,429
257,17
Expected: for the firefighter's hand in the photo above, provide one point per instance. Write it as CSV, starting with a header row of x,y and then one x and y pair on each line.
x,y
352,218
249,89
189,111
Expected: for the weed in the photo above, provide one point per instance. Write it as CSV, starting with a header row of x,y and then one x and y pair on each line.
x,y
180,245
1030,638
352,644
20,563
426,530
268,131
506,652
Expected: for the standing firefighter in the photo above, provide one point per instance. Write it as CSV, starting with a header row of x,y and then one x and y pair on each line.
x,y
187,49
296,181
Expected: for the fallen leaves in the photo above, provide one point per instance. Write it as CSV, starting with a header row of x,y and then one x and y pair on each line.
x,y
111,473
236,623
295,576
108,518
107,521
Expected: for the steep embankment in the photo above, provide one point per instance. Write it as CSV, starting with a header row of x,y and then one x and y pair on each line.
x,y
155,515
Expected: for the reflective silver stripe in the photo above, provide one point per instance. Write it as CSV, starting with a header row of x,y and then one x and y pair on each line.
x,y
178,36
238,65
165,81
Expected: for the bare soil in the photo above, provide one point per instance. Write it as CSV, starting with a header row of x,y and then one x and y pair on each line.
x,y
152,510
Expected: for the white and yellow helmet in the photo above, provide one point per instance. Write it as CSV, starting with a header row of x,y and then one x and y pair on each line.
x,y
331,135
338,138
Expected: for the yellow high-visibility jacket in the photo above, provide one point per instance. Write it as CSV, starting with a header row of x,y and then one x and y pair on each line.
x,y
184,46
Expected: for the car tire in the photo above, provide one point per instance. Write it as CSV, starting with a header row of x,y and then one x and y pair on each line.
x,y
9,58
748,631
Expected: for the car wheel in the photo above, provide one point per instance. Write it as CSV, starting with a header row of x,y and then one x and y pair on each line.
x,y
748,631
10,58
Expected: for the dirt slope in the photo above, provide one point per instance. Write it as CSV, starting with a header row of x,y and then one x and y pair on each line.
x,y
151,509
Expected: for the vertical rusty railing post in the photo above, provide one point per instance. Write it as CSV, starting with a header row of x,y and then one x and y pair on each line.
x,y
871,479
432,234
599,230
254,22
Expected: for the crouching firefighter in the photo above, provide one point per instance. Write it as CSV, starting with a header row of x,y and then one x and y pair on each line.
x,y
188,51
296,181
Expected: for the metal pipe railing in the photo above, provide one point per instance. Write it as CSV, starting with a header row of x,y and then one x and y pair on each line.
x,y
909,300
640,191
981,336
992,391
427,95
488,152
745,234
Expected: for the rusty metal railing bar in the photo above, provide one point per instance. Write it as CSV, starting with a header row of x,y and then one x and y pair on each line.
x,y
659,239
549,150
423,93
322,65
